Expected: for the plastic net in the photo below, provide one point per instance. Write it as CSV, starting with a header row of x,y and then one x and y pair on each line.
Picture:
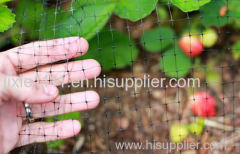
x,y
191,45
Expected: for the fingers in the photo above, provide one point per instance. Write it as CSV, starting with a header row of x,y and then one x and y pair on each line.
x,y
65,104
64,73
43,131
38,53
13,88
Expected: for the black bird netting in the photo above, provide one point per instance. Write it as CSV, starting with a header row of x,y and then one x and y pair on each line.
x,y
166,71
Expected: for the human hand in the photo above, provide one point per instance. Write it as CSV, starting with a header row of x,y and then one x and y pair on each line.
x,y
33,61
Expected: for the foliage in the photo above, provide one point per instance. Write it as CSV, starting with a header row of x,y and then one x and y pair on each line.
x,y
135,9
174,63
157,39
112,49
233,13
7,18
211,14
233,8
189,5
4,1
213,78
55,144
86,21
162,12
73,115
236,50
29,16
116,50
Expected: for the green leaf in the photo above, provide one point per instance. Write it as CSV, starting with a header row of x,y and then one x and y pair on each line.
x,y
162,13
174,63
86,20
189,5
112,49
233,8
67,116
55,144
134,9
7,18
28,16
157,39
4,1
211,14
3,42
16,37
236,50
194,29
235,23
51,24
213,79
234,12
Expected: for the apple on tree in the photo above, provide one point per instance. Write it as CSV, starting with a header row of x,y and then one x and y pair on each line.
x,y
203,104
191,45
197,127
178,132
209,37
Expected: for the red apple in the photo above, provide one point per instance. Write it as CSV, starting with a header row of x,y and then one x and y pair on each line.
x,y
203,104
192,46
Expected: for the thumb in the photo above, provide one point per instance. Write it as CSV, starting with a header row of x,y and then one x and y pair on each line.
x,y
26,90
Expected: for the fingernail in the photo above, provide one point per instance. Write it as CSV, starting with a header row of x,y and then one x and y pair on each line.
x,y
50,90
